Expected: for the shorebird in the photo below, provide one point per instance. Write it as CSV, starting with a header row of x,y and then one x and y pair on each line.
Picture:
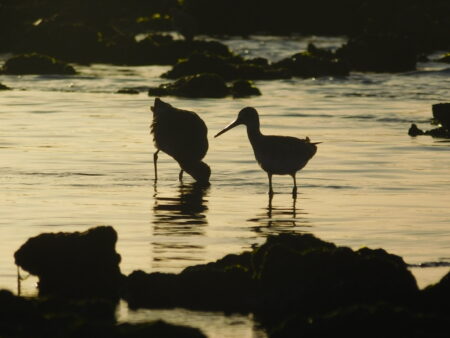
x,y
276,155
181,134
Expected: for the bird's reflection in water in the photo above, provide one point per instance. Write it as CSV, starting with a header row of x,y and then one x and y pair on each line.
x,y
178,227
286,217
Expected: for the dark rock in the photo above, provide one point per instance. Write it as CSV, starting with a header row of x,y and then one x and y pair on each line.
x,y
200,85
199,63
289,274
244,88
156,329
415,131
435,297
306,64
379,53
378,320
445,58
128,91
441,113
74,265
62,318
36,64
4,87
69,41
229,68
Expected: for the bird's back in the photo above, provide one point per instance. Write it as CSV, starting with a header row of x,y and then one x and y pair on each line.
x,y
180,133
283,154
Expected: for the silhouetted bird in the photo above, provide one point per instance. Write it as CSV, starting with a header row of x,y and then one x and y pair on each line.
x,y
181,134
280,155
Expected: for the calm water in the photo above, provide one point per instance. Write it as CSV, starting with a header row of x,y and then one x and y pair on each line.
x,y
76,155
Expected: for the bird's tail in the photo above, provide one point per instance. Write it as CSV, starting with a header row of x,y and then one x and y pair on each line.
x,y
309,141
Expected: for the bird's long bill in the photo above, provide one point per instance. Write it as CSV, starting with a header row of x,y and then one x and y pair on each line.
x,y
230,126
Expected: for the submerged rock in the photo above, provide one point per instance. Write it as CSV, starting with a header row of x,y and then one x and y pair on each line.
x,y
36,64
4,87
74,265
128,91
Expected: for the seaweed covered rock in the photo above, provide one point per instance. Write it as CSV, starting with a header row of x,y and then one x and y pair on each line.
x,y
74,265
314,62
441,115
379,53
204,85
289,274
200,85
244,88
36,64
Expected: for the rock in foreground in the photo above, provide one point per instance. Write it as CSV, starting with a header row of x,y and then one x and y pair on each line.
x,y
74,265
62,318
289,274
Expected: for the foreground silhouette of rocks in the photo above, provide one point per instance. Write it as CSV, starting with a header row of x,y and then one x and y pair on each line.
x,y
441,116
294,284
74,265
61,318
292,278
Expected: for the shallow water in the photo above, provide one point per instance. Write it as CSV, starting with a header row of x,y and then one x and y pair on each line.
x,y
76,155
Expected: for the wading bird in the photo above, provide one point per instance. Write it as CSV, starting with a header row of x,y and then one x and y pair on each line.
x,y
276,155
181,134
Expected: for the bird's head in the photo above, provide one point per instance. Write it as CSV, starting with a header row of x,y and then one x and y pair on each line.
x,y
159,105
200,171
248,116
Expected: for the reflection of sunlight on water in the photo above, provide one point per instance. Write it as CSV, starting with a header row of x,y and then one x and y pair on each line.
x,y
213,324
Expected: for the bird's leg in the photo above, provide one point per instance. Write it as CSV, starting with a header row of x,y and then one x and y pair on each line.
x,y
180,176
270,185
294,191
155,159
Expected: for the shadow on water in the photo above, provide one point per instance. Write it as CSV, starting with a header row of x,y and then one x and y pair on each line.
x,y
178,223
287,217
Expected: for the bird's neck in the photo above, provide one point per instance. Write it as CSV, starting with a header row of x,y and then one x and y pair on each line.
x,y
254,133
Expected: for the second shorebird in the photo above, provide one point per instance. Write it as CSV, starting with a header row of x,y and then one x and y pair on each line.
x,y
279,155
181,134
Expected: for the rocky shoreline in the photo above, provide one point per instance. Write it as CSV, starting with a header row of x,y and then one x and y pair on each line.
x,y
294,285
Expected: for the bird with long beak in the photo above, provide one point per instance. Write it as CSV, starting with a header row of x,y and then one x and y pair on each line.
x,y
276,155
181,134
